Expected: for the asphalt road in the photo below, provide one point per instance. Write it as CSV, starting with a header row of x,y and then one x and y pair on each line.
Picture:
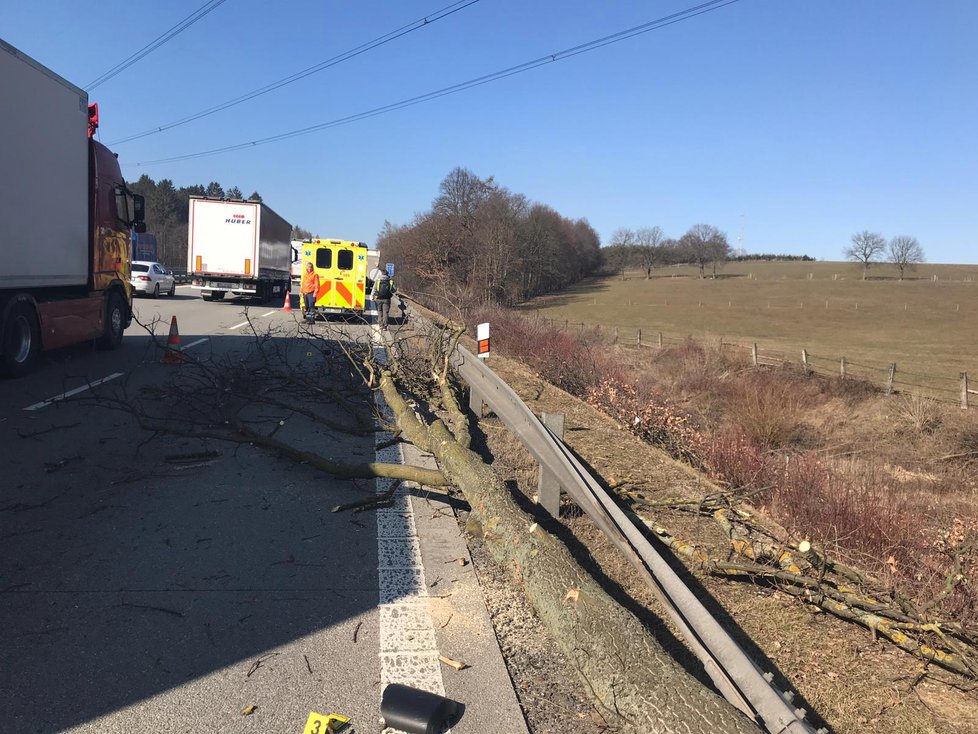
x,y
140,594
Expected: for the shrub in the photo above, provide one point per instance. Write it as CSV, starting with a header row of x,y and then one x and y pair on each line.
x,y
766,408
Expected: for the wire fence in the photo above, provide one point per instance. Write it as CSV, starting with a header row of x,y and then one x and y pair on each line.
x,y
885,375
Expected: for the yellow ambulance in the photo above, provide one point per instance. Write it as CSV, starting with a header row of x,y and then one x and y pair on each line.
x,y
342,269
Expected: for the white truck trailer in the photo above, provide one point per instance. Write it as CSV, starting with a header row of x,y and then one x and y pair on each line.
x,y
238,247
66,217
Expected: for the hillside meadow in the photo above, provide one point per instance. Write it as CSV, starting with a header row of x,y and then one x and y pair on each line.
x,y
926,324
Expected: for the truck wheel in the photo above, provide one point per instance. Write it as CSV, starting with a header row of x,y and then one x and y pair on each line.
x,y
115,319
21,341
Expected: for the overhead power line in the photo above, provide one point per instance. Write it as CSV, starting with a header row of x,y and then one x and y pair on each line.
x,y
597,43
183,25
338,59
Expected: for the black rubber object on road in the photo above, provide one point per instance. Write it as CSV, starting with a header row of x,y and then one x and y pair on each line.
x,y
415,711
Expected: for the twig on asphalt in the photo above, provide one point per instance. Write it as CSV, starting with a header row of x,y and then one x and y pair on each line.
x,y
51,429
151,608
257,664
370,503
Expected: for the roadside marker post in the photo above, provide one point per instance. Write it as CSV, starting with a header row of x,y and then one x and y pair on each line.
x,y
482,336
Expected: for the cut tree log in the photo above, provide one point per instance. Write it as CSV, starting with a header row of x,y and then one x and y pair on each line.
x,y
637,684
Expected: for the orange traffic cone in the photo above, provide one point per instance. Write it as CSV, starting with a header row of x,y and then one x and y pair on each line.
x,y
173,354
288,300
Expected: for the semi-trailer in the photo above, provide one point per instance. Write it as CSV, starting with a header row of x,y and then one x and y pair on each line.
x,y
238,247
66,217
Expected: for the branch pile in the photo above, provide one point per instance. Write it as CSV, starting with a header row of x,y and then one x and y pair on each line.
x,y
760,554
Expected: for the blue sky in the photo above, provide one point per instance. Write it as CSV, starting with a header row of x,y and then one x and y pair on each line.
x,y
791,124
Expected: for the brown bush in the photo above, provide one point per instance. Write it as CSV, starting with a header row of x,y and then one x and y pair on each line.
x,y
568,361
747,428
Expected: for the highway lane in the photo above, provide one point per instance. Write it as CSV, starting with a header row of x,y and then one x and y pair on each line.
x,y
140,594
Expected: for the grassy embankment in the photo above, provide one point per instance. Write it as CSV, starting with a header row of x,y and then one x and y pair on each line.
x,y
928,328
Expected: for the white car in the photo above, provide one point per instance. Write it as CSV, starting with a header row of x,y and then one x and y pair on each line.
x,y
152,279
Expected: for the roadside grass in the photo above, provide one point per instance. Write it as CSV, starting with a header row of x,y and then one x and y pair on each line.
x,y
928,328
887,483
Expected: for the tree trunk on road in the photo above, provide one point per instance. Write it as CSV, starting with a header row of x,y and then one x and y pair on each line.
x,y
637,685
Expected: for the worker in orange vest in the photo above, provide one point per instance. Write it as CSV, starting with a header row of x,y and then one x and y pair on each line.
x,y
308,290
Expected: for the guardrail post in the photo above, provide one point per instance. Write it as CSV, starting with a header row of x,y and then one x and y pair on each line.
x,y
548,488
475,402
889,378
964,390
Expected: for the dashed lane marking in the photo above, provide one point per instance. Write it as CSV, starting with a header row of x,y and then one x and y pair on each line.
x,y
194,344
62,396
238,326
267,314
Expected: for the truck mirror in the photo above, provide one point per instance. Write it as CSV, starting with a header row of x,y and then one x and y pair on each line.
x,y
139,210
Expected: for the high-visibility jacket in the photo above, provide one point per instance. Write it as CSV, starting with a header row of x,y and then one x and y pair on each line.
x,y
310,282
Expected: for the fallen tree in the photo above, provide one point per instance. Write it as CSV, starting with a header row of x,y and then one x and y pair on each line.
x,y
634,682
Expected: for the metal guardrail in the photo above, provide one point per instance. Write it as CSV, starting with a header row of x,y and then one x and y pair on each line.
x,y
736,676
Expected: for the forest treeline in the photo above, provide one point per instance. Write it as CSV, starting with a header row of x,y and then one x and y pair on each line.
x,y
478,244
482,244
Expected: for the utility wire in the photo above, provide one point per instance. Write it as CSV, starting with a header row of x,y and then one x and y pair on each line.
x,y
597,43
183,25
338,59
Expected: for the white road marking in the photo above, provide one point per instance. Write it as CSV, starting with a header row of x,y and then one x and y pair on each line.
x,y
408,651
267,314
62,396
238,326
194,344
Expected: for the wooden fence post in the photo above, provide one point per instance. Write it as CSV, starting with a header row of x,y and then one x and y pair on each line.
x,y
616,335
640,337
753,353
804,360
660,340
548,488
889,378
565,324
842,368
964,390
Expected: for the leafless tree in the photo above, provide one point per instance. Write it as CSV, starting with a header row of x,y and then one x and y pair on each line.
x,y
905,252
866,248
481,244
650,254
623,237
704,244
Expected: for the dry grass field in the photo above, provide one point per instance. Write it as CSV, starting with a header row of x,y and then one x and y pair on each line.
x,y
928,327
